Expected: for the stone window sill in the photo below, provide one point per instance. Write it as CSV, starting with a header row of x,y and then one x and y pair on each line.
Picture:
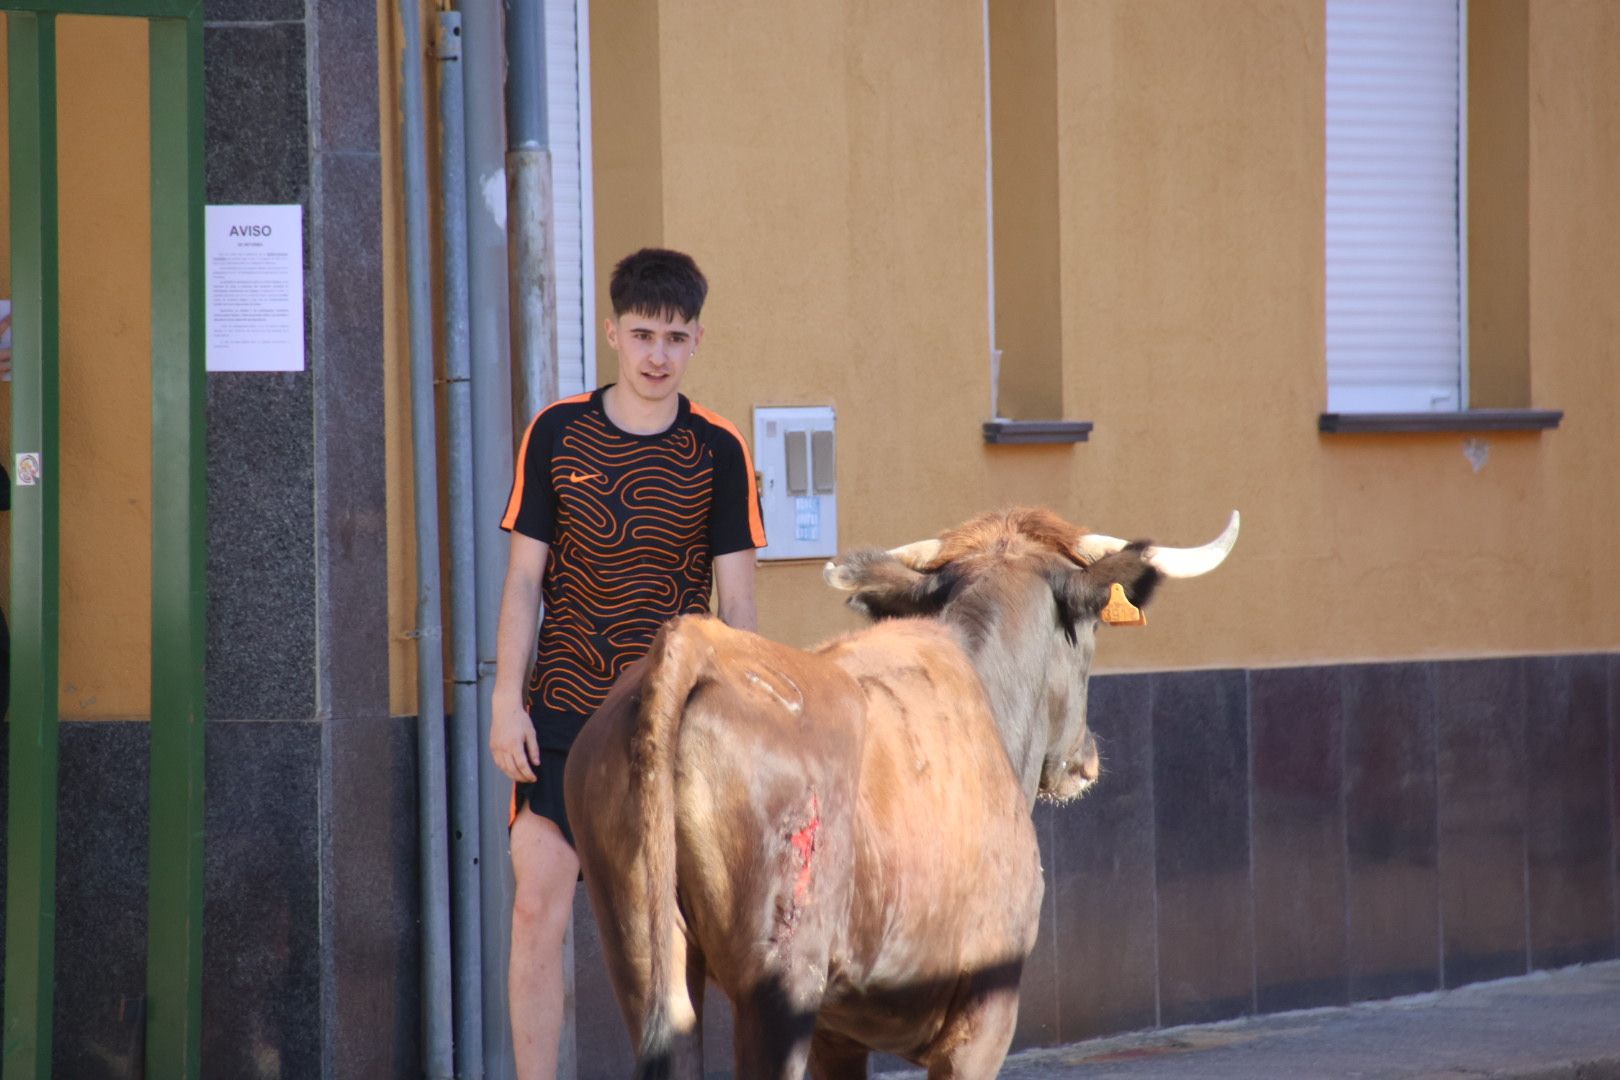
x,y
1468,420
1036,432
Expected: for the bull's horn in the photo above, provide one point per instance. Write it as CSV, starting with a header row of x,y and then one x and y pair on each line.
x,y
1169,561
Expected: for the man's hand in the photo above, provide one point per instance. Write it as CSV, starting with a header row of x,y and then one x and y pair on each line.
x,y
511,741
511,736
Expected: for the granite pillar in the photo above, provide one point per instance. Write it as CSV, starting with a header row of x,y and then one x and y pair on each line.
x,y
298,592
261,683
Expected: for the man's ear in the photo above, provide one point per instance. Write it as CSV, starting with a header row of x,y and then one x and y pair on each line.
x,y
610,327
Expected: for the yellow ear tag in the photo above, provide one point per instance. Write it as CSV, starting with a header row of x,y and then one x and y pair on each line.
x,y
1120,611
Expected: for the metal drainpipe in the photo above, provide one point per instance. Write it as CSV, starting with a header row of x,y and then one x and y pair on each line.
x,y
532,275
465,744
438,1056
529,206
483,66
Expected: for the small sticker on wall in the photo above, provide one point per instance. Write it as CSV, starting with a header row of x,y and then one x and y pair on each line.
x,y
807,518
28,471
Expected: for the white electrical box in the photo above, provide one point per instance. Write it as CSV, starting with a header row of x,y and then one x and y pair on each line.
x,y
795,453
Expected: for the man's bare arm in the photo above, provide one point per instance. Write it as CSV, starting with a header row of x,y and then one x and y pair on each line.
x,y
511,735
734,582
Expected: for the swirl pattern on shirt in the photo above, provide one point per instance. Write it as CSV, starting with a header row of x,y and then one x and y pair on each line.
x,y
632,551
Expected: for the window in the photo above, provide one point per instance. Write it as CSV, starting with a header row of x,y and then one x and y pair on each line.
x,y
1396,158
568,109
1023,185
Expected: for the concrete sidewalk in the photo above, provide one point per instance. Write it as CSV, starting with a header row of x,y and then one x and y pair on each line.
x,y
1561,1025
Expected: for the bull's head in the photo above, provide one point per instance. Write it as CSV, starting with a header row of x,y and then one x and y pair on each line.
x,y
1025,591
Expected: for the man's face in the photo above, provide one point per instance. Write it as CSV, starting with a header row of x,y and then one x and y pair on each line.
x,y
653,351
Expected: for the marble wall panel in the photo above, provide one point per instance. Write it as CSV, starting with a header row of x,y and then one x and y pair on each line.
x,y
1390,828
1479,713
1297,727
1569,820
1201,835
1102,875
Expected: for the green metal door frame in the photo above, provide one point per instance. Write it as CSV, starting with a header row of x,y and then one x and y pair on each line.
x,y
179,534
31,787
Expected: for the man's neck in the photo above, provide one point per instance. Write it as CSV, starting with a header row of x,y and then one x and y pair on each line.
x,y
637,415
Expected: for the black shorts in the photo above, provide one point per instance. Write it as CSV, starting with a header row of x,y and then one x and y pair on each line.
x,y
545,795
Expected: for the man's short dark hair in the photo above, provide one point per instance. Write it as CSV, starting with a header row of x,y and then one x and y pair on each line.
x,y
658,283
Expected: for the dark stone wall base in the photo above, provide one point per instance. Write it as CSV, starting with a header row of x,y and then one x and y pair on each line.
x,y
261,899
1288,838
310,921
274,925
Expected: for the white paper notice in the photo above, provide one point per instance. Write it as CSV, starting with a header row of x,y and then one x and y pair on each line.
x,y
255,288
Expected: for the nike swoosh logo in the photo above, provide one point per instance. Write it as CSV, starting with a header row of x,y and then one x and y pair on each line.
x,y
575,478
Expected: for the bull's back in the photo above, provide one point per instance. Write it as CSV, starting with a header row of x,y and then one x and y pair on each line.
x,y
857,821
765,761
768,763
948,878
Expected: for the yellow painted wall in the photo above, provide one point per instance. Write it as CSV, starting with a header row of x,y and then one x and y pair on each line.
x,y
628,154
1195,216
105,243
826,165
828,171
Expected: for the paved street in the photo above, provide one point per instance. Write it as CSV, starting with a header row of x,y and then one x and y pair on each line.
x,y
1563,1025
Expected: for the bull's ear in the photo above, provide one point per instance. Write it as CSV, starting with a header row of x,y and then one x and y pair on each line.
x,y
1129,569
883,587
1082,593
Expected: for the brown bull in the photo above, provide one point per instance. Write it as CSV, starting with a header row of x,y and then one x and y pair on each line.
x,y
841,838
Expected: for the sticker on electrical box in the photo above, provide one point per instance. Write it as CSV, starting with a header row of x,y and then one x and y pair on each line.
x,y
807,518
28,471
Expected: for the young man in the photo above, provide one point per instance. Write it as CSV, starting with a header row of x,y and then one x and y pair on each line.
x,y
629,503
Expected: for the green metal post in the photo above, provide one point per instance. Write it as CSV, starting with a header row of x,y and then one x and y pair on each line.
x,y
179,563
31,827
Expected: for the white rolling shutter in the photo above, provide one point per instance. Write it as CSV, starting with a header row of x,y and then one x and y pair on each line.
x,y
568,109
1395,297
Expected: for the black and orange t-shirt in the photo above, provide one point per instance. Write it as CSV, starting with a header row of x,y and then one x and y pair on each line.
x,y
634,523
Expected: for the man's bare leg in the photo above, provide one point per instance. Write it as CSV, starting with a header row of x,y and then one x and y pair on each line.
x,y
546,870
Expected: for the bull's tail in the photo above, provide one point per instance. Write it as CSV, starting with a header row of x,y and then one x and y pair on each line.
x,y
677,660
